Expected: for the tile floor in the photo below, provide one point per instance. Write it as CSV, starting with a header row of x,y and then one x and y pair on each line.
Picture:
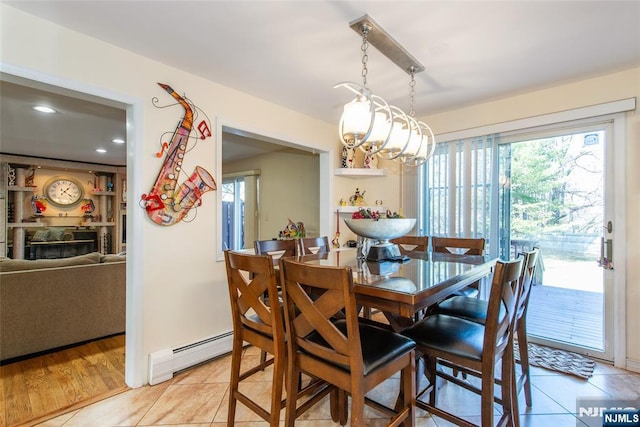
x,y
198,398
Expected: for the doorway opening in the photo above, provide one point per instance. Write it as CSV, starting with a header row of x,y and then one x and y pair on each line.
x,y
57,150
266,182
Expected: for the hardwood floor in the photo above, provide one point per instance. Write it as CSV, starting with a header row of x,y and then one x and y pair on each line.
x,y
36,388
566,315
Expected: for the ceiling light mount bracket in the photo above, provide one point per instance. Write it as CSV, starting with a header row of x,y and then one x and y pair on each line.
x,y
386,44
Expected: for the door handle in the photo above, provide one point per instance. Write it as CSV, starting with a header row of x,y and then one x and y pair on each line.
x,y
606,254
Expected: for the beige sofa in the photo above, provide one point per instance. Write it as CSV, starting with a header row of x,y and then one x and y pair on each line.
x,y
45,304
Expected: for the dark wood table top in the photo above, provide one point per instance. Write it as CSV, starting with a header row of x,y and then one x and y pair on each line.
x,y
404,289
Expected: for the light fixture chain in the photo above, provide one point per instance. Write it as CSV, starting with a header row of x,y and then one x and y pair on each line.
x,y
365,57
412,92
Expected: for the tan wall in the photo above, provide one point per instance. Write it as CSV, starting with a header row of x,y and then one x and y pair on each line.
x,y
289,189
607,88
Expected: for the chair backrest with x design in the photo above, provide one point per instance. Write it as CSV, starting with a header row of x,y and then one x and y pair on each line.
x,y
503,304
314,297
250,278
326,341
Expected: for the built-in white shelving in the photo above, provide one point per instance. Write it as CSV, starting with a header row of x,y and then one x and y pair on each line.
x,y
108,223
97,224
20,188
27,224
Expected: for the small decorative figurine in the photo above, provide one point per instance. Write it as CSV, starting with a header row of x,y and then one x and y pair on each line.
x,y
348,157
370,159
87,207
12,176
293,230
28,181
39,205
358,198
336,239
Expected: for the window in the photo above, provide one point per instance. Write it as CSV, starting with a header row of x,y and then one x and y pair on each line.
x,y
458,188
240,209
233,213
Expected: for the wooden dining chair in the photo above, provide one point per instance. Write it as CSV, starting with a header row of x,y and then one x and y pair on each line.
x,y
411,243
458,245
476,310
277,248
314,245
254,322
461,246
354,357
469,346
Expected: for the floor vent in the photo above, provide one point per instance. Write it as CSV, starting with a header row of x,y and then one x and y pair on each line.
x,y
164,363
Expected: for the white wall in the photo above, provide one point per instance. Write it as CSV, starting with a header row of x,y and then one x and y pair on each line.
x,y
607,88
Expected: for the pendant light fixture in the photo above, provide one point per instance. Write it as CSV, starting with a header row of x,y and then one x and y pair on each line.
x,y
369,122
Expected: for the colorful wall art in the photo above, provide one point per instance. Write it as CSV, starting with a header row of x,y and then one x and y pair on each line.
x,y
169,202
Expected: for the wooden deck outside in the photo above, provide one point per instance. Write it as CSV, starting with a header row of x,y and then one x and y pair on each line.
x,y
567,315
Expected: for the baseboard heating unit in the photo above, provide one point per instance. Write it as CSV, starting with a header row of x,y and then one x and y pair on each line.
x,y
164,363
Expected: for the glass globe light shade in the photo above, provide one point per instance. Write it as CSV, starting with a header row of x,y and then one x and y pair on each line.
x,y
380,131
414,145
356,119
398,139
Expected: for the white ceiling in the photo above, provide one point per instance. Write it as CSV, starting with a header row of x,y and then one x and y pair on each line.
x,y
293,52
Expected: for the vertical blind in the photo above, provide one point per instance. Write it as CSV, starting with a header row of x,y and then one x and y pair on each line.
x,y
457,188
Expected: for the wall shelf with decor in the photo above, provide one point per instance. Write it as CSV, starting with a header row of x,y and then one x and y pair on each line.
x,y
358,172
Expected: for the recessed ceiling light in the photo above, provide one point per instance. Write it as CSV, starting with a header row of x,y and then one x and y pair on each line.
x,y
101,150
44,109
118,141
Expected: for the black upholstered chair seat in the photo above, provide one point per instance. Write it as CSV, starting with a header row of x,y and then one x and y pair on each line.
x,y
467,308
469,292
449,334
379,345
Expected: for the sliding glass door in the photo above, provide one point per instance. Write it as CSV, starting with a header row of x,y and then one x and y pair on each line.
x,y
549,188
553,196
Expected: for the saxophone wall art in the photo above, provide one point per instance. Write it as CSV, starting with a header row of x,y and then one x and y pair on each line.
x,y
168,203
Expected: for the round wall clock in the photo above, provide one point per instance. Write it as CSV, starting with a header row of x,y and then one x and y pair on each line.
x,y
63,191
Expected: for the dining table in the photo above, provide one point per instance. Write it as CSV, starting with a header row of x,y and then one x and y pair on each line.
x,y
402,290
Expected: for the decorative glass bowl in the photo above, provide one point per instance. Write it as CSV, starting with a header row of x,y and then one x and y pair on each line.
x,y
382,229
